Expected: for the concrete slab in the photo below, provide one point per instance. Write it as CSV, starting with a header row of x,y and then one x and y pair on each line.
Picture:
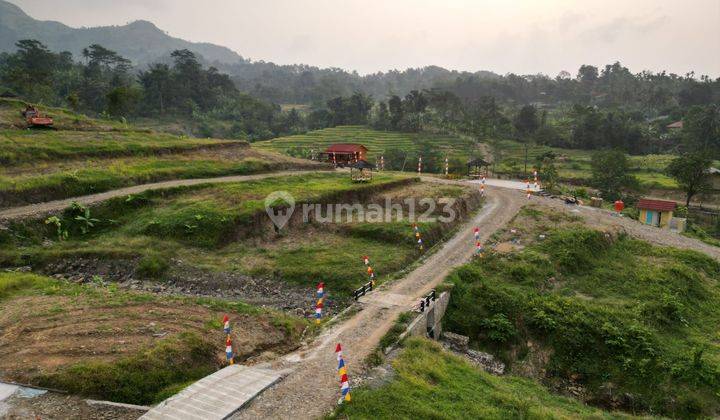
x,y
216,396
7,390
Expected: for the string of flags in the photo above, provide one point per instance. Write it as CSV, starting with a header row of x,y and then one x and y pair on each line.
x,y
478,245
320,302
417,236
370,271
229,355
342,372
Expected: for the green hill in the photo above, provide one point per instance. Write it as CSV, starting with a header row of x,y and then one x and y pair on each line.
x,y
378,142
634,325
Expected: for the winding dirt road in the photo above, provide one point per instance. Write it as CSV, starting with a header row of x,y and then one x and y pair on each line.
x,y
312,388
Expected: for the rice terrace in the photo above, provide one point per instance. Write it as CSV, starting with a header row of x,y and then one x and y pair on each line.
x,y
524,223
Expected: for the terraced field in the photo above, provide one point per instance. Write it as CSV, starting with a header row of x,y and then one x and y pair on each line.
x,y
42,165
378,142
574,165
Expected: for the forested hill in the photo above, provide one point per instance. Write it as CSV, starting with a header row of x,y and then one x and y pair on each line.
x,y
142,42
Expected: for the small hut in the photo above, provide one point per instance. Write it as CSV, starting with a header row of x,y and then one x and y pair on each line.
x,y
656,212
475,168
361,171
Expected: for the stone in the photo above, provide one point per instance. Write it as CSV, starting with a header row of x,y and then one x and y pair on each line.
x,y
456,342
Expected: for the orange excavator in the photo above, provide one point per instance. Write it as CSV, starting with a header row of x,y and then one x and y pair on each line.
x,y
34,118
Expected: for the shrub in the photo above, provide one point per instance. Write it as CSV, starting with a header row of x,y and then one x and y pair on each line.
x,y
152,266
498,328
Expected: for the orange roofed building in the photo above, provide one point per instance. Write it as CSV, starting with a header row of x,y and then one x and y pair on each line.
x,y
344,154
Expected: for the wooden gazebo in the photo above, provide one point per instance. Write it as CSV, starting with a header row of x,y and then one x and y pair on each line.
x,y
475,168
361,171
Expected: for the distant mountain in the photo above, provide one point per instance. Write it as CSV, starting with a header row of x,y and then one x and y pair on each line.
x,y
140,41
144,43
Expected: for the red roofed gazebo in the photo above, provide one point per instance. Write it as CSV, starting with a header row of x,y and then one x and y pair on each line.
x,y
343,154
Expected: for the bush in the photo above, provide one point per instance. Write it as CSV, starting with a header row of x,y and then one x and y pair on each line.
x,y
152,266
498,328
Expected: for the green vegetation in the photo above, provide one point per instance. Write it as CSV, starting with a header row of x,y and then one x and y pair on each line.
x,y
432,383
144,378
224,228
143,370
607,311
42,165
23,146
378,143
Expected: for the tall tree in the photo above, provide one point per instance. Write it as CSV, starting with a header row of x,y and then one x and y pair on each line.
x,y
611,174
691,171
526,123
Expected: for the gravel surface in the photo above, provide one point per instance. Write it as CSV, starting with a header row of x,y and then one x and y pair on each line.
x,y
601,219
311,389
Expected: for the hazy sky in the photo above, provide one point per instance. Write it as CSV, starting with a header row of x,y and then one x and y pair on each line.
x,y
521,36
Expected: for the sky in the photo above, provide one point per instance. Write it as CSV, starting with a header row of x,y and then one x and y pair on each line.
x,y
519,36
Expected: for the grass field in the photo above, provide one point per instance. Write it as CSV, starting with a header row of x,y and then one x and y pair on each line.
x,y
43,181
103,342
431,383
573,165
615,315
42,165
225,228
63,119
378,142
30,146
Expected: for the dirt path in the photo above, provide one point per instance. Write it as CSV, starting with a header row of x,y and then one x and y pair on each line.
x,y
311,390
58,205
600,218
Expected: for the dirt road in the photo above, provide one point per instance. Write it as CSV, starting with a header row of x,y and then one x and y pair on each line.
x,y
311,390
58,205
600,218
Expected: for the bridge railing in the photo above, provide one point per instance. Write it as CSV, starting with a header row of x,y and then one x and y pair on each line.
x,y
363,290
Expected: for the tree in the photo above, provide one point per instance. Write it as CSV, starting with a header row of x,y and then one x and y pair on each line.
x,y
702,130
547,171
395,159
690,170
526,123
396,111
156,82
122,101
611,174
382,117
587,74
29,71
